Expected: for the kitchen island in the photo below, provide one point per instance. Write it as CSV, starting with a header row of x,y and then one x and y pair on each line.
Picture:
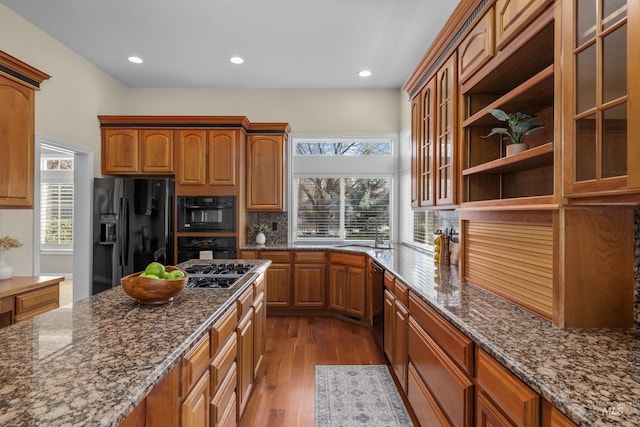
x,y
92,362
590,375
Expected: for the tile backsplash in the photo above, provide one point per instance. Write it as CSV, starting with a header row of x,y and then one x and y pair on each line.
x,y
274,237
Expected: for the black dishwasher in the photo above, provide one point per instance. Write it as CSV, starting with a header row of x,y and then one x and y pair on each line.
x,y
377,291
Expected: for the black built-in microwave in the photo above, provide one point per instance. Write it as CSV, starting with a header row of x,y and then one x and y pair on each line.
x,y
207,213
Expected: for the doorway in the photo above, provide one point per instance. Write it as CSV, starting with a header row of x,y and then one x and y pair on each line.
x,y
61,168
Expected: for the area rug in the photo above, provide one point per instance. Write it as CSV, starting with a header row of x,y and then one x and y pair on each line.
x,y
363,395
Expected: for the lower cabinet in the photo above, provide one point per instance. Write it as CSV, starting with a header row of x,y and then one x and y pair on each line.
x,y
195,408
309,279
504,397
396,326
278,278
213,383
347,284
245,361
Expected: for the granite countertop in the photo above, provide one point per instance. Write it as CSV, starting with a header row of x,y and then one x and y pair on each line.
x,y
91,362
591,375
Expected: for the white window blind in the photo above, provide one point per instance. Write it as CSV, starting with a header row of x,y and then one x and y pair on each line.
x,y
56,213
343,208
56,202
417,226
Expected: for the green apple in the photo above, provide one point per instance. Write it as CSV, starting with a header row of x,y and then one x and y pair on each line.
x,y
156,269
150,276
174,274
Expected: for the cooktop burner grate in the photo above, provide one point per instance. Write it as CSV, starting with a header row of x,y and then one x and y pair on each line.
x,y
216,275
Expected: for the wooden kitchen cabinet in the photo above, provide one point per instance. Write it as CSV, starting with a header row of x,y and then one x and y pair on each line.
x,y
137,151
434,139
347,284
512,16
260,323
195,408
18,83
503,395
37,301
478,46
396,327
309,279
490,178
278,278
207,158
245,379
191,154
266,185
601,150
423,140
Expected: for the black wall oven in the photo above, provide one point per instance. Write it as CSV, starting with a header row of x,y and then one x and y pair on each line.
x,y
205,247
207,213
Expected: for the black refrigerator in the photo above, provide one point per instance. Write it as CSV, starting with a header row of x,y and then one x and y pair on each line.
x,y
132,226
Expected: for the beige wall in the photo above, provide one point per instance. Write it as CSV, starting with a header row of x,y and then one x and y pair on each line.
x,y
306,110
67,106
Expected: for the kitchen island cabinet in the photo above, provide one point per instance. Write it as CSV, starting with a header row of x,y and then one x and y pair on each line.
x,y
81,348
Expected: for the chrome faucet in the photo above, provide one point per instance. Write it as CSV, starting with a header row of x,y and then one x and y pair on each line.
x,y
377,241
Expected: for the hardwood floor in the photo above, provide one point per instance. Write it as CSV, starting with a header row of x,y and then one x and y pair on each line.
x,y
284,391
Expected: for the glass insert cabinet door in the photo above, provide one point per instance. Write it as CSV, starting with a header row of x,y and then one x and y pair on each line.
x,y
596,106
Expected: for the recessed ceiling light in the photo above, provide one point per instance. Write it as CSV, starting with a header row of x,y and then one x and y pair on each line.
x,y
135,59
364,73
236,60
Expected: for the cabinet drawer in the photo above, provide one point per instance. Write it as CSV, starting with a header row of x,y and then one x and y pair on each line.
x,y
258,286
194,363
31,303
347,259
422,402
224,397
276,256
248,255
223,328
244,302
511,395
449,386
389,281
223,362
312,257
451,340
401,291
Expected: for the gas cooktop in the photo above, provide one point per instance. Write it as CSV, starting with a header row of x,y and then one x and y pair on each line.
x,y
216,275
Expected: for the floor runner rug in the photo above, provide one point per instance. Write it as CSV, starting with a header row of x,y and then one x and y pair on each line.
x,y
363,395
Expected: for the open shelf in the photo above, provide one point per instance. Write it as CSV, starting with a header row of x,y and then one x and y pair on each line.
x,y
529,97
532,158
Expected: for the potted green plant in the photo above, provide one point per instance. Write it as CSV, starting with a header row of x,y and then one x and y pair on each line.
x,y
520,125
261,230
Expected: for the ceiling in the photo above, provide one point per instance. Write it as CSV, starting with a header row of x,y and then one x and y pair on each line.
x,y
285,43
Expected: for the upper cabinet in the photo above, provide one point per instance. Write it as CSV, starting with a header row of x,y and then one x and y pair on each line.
x,y
514,81
513,15
266,152
208,158
434,140
18,83
601,152
133,151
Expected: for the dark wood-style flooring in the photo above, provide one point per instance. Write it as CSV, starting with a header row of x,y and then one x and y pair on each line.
x,y
284,391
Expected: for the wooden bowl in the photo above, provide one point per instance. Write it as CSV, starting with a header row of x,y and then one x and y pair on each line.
x,y
153,291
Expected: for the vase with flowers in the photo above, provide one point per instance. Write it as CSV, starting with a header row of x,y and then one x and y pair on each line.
x,y
261,230
6,243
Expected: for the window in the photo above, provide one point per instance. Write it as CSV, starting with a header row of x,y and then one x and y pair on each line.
x,y
343,208
343,189
56,203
